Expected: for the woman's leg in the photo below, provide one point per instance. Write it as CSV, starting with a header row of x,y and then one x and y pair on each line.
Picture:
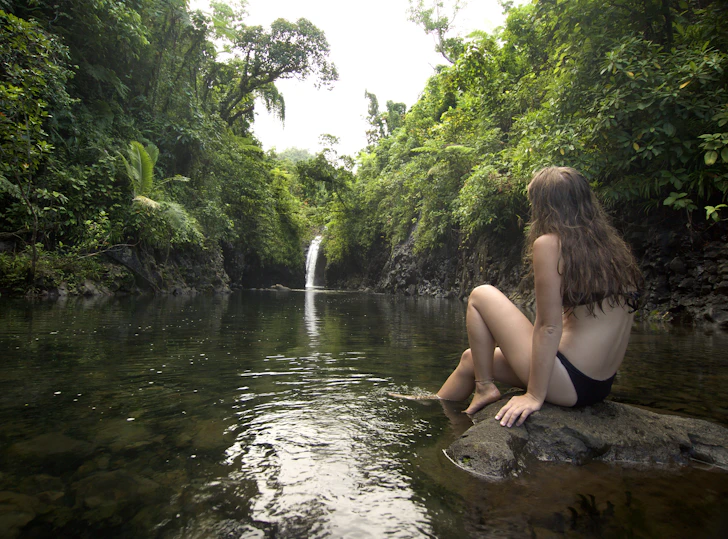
x,y
461,383
491,317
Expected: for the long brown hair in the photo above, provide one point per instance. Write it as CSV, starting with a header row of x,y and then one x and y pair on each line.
x,y
596,263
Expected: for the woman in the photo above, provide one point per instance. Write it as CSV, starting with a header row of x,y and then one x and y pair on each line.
x,y
586,282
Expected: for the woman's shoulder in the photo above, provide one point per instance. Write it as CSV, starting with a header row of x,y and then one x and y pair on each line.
x,y
547,243
546,252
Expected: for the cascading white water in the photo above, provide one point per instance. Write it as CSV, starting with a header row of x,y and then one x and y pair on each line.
x,y
311,261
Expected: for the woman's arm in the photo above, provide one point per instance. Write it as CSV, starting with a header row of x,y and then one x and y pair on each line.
x,y
546,331
548,325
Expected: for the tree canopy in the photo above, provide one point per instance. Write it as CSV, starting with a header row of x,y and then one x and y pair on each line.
x,y
98,94
634,94
101,100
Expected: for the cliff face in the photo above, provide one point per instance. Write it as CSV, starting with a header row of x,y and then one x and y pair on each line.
x,y
685,268
133,270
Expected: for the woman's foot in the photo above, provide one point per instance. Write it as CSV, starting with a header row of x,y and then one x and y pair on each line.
x,y
485,393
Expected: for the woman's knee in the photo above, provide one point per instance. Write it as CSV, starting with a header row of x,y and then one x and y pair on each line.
x,y
466,360
483,294
466,367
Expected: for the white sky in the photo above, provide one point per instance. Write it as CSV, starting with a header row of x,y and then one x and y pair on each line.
x,y
374,46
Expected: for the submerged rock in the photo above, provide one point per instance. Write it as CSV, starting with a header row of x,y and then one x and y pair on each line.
x,y
114,495
16,510
606,432
54,452
124,435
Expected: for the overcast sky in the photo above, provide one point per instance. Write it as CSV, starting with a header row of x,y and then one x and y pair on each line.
x,y
374,46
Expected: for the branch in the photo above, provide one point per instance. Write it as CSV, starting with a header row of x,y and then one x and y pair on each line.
x,y
112,247
15,234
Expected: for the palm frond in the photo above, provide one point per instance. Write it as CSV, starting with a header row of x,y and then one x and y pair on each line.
x,y
153,152
140,169
146,202
175,178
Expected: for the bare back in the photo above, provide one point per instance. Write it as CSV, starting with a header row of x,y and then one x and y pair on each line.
x,y
596,344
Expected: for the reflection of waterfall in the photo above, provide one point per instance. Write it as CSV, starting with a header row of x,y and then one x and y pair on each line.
x,y
311,261
309,316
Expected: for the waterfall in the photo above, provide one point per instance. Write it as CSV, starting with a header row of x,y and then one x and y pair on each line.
x,y
311,261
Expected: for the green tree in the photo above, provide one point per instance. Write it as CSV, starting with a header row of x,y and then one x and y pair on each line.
x,y
383,124
169,222
33,75
327,176
295,155
374,119
260,57
432,15
632,93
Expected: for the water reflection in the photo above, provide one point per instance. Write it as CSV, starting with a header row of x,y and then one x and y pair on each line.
x,y
317,471
310,318
265,415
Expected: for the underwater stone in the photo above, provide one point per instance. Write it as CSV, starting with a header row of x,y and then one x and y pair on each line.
x,y
114,495
16,510
55,452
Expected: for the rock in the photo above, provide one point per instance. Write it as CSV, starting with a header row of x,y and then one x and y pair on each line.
x,y
46,489
687,283
113,495
717,315
54,451
677,266
123,435
722,287
210,436
607,432
280,287
16,510
207,435
89,288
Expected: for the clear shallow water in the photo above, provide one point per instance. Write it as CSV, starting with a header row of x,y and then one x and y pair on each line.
x,y
265,414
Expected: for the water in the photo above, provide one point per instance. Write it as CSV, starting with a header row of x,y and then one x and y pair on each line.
x,y
265,414
311,259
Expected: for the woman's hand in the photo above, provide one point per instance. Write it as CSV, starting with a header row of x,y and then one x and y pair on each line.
x,y
521,407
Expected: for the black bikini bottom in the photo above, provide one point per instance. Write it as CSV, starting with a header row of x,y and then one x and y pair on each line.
x,y
588,390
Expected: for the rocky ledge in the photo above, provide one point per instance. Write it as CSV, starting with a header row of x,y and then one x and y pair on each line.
x,y
606,432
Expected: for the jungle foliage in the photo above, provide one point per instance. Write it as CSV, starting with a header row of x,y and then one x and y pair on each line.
x,y
129,123
632,93
103,99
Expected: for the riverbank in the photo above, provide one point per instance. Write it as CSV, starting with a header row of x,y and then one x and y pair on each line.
x,y
685,266
130,270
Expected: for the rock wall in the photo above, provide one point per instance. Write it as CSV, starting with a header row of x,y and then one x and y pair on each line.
x,y
686,272
138,271
179,272
685,266
246,271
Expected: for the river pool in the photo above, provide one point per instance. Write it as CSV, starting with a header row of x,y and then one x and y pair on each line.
x,y
265,414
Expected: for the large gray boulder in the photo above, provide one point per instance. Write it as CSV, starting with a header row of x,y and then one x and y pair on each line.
x,y
606,432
